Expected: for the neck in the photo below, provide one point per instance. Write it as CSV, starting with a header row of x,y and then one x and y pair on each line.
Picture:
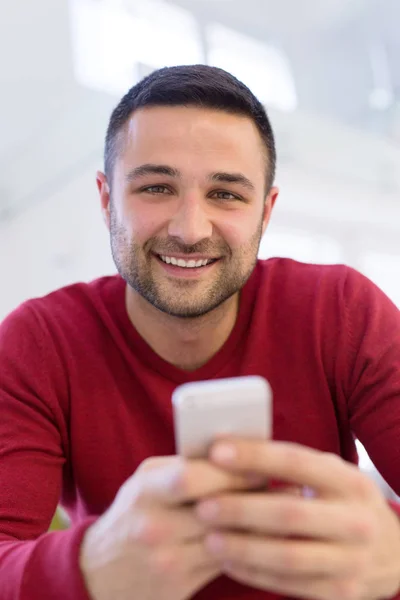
x,y
185,343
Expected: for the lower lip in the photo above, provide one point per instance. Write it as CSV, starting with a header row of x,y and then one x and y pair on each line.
x,y
185,272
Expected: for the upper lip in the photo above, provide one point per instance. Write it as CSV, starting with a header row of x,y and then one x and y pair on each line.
x,y
187,256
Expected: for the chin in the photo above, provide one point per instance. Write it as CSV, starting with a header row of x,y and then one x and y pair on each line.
x,y
188,310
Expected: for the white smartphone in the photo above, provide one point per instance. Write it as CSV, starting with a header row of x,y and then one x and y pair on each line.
x,y
205,410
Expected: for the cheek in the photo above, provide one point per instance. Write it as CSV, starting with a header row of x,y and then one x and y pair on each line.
x,y
238,230
144,220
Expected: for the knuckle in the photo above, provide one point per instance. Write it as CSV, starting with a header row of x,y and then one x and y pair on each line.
x,y
142,529
365,527
125,489
153,462
295,460
163,562
148,530
290,514
362,485
146,465
291,559
183,482
230,509
185,475
360,563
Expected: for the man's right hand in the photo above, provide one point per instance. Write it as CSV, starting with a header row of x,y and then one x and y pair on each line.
x,y
149,543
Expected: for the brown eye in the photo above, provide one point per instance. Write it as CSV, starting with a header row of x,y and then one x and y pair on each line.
x,y
156,189
221,195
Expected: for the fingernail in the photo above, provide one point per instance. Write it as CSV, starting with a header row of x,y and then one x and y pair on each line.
x,y
224,453
215,543
208,510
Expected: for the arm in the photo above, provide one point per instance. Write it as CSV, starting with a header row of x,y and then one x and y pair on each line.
x,y
373,379
33,444
371,364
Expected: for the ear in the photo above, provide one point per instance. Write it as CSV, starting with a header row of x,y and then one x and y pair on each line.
x,y
268,206
104,191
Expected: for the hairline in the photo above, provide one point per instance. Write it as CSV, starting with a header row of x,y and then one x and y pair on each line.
x,y
119,137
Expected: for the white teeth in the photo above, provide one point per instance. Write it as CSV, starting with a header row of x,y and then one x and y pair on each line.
x,y
179,262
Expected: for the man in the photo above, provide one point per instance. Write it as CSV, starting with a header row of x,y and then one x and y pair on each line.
x,y
88,371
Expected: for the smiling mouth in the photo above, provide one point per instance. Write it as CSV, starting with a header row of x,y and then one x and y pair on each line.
x,y
190,263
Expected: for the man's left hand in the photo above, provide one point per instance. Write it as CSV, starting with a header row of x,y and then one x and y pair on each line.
x,y
342,543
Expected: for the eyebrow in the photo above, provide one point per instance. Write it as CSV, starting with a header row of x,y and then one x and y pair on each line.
x,y
150,169
233,178
220,176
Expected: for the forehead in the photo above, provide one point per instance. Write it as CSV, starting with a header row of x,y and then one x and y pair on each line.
x,y
189,136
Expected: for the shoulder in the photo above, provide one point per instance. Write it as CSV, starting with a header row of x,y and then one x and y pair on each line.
x,y
66,308
77,296
297,281
290,270
335,291
289,273
340,287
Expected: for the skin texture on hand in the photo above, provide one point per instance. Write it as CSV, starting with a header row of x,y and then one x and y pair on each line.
x,y
341,542
150,543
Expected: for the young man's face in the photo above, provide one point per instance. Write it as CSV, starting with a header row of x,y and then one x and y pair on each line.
x,y
172,200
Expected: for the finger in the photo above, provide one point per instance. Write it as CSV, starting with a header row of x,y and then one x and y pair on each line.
x,y
167,526
323,472
299,587
290,558
285,514
184,481
182,560
287,490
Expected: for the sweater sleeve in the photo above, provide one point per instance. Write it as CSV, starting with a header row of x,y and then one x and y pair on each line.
x,y
34,563
371,364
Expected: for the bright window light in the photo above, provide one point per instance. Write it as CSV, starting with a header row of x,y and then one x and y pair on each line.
x,y
262,67
364,461
384,270
114,46
300,246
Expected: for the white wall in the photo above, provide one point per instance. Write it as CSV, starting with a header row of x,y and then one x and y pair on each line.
x,y
60,240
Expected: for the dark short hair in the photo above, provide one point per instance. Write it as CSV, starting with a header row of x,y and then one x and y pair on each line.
x,y
190,85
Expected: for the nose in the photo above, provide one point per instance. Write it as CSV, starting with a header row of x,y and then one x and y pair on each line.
x,y
190,223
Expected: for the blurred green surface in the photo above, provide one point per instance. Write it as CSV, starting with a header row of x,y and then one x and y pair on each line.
x,y
60,520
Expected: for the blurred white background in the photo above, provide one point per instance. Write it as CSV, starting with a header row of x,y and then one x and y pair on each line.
x,y
328,72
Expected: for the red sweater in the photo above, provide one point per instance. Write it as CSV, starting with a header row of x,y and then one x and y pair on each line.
x,y
84,400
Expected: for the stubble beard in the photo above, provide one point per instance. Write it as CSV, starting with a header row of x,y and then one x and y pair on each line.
x,y
186,299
